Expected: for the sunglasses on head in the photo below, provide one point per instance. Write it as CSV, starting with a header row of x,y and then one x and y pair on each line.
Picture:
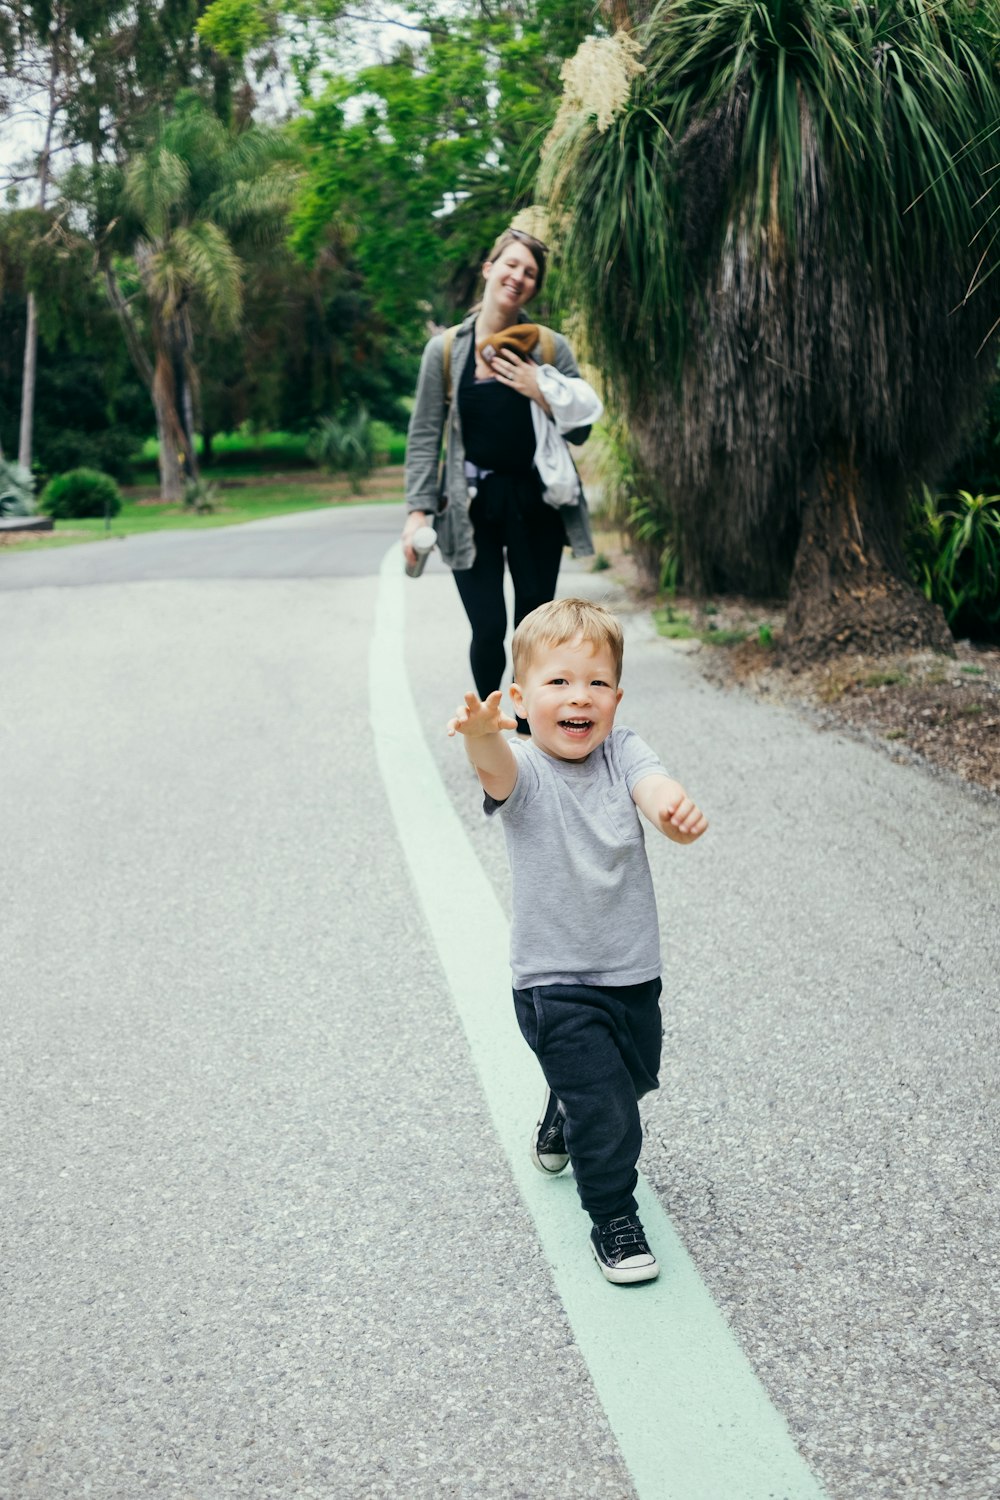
x,y
529,240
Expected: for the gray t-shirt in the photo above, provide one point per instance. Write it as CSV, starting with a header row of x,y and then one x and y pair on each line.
x,y
584,909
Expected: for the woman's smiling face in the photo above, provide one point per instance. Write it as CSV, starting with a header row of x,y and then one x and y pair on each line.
x,y
511,279
569,694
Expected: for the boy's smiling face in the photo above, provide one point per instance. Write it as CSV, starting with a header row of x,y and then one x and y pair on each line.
x,y
569,694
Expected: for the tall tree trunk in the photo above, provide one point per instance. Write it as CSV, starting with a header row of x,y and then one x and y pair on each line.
x,y
57,31
850,591
28,375
178,460
177,455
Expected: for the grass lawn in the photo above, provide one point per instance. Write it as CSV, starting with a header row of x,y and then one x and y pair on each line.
x,y
247,452
273,495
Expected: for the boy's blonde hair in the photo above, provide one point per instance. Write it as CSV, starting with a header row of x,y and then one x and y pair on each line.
x,y
566,620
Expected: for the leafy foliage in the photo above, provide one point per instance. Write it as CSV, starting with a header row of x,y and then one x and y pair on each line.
x,y
17,489
754,319
186,203
345,444
180,211
420,161
89,406
201,496
954,549
632,500
81,492
309,342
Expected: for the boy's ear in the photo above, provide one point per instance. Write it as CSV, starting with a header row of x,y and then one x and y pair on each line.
x,y
517,698
618,697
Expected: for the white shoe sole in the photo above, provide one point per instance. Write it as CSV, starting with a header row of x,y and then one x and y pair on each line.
x,y
625,1275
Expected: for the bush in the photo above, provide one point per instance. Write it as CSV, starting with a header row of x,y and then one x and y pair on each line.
x,y
17,489
389,443
344,444
201,496
631,500
953,544
81,492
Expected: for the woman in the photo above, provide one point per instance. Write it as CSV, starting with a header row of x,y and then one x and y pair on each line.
x,y
491,502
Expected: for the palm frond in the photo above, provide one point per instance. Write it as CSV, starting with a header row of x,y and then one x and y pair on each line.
x,y
211,269
156,183
253,201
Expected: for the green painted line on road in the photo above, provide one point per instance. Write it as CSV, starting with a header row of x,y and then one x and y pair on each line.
x,y
691,1418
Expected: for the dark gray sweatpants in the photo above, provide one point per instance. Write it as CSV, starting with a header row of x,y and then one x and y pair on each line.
x,y
599,1048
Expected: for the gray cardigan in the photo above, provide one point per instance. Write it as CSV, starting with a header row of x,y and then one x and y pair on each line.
x,y
423,449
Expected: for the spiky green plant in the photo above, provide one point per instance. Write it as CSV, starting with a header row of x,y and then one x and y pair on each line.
x,y
772,245
17,489
345,444
954,548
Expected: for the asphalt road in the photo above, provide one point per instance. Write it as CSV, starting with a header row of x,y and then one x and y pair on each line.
x,y
260,1234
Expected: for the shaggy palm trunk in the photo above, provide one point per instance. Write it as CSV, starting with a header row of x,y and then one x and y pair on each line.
x,y
849,590
177,455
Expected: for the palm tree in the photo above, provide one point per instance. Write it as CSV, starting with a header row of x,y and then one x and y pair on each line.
x,y
784,212
183,206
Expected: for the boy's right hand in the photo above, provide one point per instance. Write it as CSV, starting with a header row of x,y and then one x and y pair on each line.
x,y
478,717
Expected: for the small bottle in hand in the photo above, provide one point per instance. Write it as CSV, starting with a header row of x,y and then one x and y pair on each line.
x,y
423,542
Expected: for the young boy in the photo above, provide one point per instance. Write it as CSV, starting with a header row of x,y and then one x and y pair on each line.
x,y
585,949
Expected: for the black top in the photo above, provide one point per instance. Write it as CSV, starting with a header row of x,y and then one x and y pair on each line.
x,y
497,428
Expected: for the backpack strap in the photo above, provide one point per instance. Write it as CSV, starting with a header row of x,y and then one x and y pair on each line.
x,y
449,339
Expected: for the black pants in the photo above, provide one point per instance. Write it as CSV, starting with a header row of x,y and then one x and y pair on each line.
x,y
508,514
599,1049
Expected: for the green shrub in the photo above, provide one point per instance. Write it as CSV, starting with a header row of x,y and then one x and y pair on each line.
x,y
81,492
953,544
389,443
202,496
17,489
631,500
344,444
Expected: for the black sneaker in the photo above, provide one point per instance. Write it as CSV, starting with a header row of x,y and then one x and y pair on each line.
x,y
548,1145
621,1251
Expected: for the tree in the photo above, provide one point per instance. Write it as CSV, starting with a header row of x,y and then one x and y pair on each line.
x,y
780,201
179,211
89,408
310,343
419,161
41,42
84,75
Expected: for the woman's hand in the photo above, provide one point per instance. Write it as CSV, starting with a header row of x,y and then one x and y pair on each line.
x,y
414,521
521,375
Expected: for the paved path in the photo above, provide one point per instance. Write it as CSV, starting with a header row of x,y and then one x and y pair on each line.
x,y
261,1231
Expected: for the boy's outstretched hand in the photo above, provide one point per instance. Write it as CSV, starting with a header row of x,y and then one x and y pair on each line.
x,y
477,717
682,821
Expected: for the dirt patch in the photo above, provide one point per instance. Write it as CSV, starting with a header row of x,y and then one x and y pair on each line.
x,y
918,706
15,538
